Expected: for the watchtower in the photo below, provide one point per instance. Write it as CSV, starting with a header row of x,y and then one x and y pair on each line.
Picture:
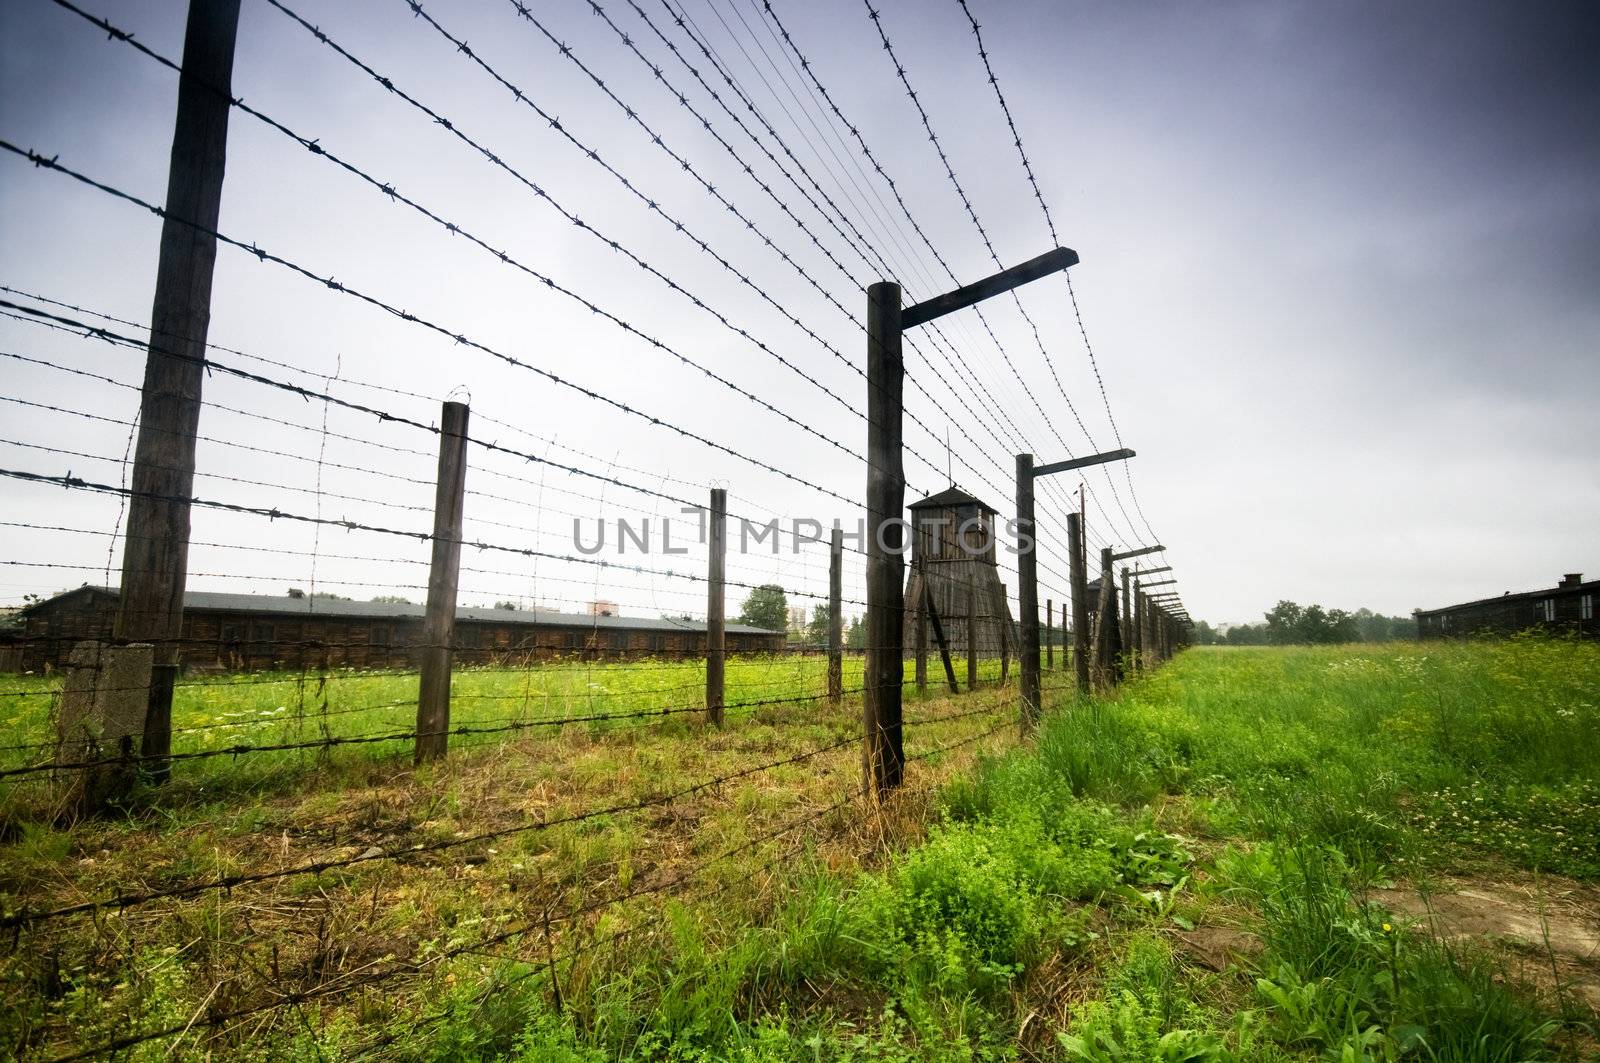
x,y
953,544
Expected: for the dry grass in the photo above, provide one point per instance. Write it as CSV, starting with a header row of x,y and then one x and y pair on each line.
x,y
81,980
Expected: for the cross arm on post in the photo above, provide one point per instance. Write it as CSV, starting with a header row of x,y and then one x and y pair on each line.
x,y
1031,270
1158,582
1080,463
1140,573
1126,554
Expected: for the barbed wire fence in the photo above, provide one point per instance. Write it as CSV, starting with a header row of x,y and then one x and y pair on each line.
x,y
325,567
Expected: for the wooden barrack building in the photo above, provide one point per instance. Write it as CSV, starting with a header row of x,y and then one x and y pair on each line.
x,y
1566,607
253,632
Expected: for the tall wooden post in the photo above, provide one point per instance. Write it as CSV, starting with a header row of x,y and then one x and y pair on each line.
x,y
155,551
883,754
836,617
1148,635
1080,601
920,634
1125,625
1050,634
1137,625
716,606
1003,617
972,632
444,572
1028,591
1104,618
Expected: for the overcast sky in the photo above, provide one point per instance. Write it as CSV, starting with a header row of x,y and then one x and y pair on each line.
x,y
1339,270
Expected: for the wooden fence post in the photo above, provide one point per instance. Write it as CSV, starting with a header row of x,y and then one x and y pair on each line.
x,y
444,572
1137,625
972,632
155,551
716,606
1028,592
1080,602
920,637
1126,637
1003,614
836,617
1050,634
883,752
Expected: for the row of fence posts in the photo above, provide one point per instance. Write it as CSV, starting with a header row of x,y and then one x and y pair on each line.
x,y
148,626
1101,652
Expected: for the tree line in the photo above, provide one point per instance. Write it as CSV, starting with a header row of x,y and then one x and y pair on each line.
x,y
1290,623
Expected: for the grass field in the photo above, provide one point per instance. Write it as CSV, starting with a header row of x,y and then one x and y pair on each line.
x,y
1356,853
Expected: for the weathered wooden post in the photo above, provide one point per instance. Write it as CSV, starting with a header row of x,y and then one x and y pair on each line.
x,y
1028,592
444,573
884,756
155,550
1004,616
716,606
972,631
883,753
836,617
1050,634
99,723
1127,638
920,637
1138,626
1080,602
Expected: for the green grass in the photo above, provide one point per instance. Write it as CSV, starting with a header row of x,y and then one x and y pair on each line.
x,y
1043,903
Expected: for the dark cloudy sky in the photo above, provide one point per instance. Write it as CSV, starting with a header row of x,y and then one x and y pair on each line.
x,y
1339,269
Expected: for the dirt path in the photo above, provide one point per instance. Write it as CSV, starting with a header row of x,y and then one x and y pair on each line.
x,y
1551,925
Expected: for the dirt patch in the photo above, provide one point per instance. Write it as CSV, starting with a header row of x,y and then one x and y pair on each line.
x,y
1551,924
1219,947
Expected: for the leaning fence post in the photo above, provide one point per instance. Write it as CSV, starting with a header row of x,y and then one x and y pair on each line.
x,y
716,606
836,617
156,547
444,573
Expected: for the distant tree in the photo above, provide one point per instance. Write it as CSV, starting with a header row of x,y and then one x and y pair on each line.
x,y
393,599
507,604
332,597
1247,635
679,616
1205,634
1284,623
816,633
855,637
767,607
1375,627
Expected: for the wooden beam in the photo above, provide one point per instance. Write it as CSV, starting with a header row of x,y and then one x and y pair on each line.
x,y
1031,270
1158,582
938,635
1140,573
1126,554
1083,463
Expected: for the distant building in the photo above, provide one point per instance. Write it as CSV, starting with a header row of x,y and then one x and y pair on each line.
x,y
247,632
604,609
1566,607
